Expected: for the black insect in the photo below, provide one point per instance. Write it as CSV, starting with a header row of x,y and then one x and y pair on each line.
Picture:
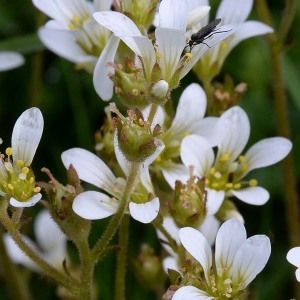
x,y
204,33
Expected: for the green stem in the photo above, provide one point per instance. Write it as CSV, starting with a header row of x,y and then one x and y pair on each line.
x,y
122,259
152,113
12,228
16,284
275,42
87,265
209,90
115,221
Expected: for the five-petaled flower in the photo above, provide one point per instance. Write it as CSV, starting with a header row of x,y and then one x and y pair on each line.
x,y
91,205
162,60
225,173
236,262
16,177
73,33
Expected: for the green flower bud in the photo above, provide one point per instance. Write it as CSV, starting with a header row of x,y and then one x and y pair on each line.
x,y
135,138
189,205
130,84
148,268
140,12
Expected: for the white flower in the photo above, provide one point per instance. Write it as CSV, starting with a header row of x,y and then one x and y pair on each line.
x,y
208,228
10,60
73,33
225,173
170,42
293,257
189,119
236,262
94,205
230,11
51,244
16,177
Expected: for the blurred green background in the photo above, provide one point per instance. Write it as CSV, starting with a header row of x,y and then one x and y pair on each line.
x,y
73,112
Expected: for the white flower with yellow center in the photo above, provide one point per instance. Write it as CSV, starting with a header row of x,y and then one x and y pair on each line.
x,y
236,262
93,205
73,33
225,172
16,177
229,11
165,54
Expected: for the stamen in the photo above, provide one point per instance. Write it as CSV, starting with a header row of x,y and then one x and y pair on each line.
x,y
253,182
20,163
9,151
224,157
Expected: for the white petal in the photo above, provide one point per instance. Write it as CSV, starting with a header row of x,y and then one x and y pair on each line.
x,y
214,201
234,129
197,152
170,263
100,5
90,168
49,236
232,11
209,228
197,14
27,134
250,259
247,30
173,14
252,195
197,245
207,129
10,60
93,205
144,212
230,237
191,293
64,44
173,172
293,256
28,203
297,273
267,152
102,83
192,103
118,23
17,255
170,44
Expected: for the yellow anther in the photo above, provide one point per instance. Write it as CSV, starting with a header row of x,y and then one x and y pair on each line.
x,y
77,19
253,182
37,189
224,157
244,167
25,170
20,163
237,186
31,180
212,171
10,186
241,158
229,185
215,185
9,151
206,181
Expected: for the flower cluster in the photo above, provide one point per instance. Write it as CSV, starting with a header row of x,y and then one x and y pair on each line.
x,y
175,165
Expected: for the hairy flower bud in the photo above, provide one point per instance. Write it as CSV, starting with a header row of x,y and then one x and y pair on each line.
x,y
136,139
130,84
189,205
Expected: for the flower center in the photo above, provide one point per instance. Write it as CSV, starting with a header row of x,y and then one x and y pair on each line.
x,y
226,175
16,179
